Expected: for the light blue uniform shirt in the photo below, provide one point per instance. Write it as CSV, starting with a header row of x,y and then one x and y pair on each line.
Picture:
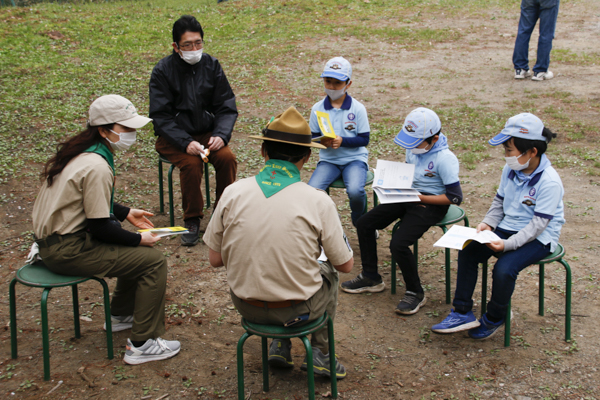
x,y
347,121
539,194
435,169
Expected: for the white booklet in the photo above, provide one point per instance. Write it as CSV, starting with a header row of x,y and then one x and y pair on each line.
x,y
392,182
160,232
458,237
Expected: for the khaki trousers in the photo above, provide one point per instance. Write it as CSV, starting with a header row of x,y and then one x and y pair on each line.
x,y
141,274
324,300
191,169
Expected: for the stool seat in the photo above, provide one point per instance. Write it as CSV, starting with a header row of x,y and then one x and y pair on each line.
x,y
38,275
282,332
455,214
339,182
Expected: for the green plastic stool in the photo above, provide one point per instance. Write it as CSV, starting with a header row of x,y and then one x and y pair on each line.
x,y
339,184
37,275
557,255
455,214
281,332
162,160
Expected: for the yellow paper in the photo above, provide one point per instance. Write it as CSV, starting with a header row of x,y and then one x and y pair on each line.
x,y
325,125
173,230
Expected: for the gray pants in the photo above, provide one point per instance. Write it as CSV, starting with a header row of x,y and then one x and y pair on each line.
x,y
141,274
324,300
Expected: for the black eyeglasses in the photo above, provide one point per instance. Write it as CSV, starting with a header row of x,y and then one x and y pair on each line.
x,y
190,46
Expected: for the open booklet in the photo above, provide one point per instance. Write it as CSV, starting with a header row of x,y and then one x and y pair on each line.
x,y
393,182
458,237
325,125
160,232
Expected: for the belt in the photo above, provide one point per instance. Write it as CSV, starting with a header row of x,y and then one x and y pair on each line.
x,y
273,304
54,239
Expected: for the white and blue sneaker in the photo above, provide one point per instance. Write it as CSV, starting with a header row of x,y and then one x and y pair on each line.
x,y
456,322
486,329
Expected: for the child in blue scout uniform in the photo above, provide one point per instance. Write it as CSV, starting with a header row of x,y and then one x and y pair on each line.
x,y
346,155
436,178
527,213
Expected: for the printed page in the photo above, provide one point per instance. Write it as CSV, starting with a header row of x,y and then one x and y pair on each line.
x,y
393,175
459,236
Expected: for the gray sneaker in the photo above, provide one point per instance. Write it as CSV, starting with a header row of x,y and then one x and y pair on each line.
x,y
522,73
321,365
280,354
411,303
152,350
362,284
120,322
542,76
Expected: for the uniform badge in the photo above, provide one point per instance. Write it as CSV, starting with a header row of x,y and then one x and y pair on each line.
x,y
351,116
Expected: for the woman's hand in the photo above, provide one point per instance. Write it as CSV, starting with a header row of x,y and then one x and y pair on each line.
x,y
138,218
148,239
496,245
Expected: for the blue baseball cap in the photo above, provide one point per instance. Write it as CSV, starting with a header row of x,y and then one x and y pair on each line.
x,y
338,68
420,124
524,125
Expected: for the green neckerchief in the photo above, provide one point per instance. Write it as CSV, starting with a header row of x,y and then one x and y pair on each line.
x,y
276,175
104,151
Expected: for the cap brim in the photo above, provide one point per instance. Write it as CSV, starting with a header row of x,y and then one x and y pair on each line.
x,y
335,75
311,144
406,141
499,139
136,122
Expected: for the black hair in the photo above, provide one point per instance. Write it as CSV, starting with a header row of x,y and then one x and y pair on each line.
x,y
285,151
541,145
187,23
430,138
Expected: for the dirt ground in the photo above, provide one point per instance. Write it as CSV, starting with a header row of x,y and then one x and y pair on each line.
x,y
387,356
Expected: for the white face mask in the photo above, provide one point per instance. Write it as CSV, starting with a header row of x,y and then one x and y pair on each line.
x,y
513,163
191,57
420,151
335,94
126,140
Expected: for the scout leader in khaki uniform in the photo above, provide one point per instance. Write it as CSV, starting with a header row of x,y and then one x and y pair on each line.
x,y
268,231
76,235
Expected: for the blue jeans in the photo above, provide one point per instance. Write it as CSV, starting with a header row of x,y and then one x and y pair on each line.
x,y
504,276
532,10
354,175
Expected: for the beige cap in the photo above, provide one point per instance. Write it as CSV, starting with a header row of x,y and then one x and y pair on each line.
x,y
289,127
112,108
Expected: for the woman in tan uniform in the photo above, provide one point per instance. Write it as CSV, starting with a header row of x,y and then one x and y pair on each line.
x,y
75,222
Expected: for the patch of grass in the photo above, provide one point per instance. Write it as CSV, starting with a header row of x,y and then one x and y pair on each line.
x,y
567,56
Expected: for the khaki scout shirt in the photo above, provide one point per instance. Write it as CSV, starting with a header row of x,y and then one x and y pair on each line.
x,y
80,191
270,245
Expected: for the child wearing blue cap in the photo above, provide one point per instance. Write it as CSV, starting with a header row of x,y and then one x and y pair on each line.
x,y
527,213
436,178
346,155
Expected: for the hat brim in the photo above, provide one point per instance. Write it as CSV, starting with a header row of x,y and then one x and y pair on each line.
x,y
135,123
499,139
311,144
335,75
408,142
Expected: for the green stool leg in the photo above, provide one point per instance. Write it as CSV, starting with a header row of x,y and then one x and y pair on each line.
x,y
484,277
171,212
333,374
393,276
107,320
309,368
160,187
507,325
265,363
541,295
447,268
240,365
76,311
45,334
568,302
13,318
207,183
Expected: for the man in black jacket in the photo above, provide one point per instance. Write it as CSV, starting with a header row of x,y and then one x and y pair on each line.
x,y
193,108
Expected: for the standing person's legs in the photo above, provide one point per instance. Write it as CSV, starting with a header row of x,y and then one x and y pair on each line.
x,y
354,175
324,175
190,176
548,17
529,16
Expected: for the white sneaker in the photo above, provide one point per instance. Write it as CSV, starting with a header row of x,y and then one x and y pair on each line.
x,y
542,76
522,73
120,323
152,350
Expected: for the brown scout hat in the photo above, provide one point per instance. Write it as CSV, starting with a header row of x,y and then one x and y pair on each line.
x,y
289,127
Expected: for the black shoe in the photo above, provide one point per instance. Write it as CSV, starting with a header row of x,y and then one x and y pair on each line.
x,y
191,239
321,365
411,303
362,284
280,354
